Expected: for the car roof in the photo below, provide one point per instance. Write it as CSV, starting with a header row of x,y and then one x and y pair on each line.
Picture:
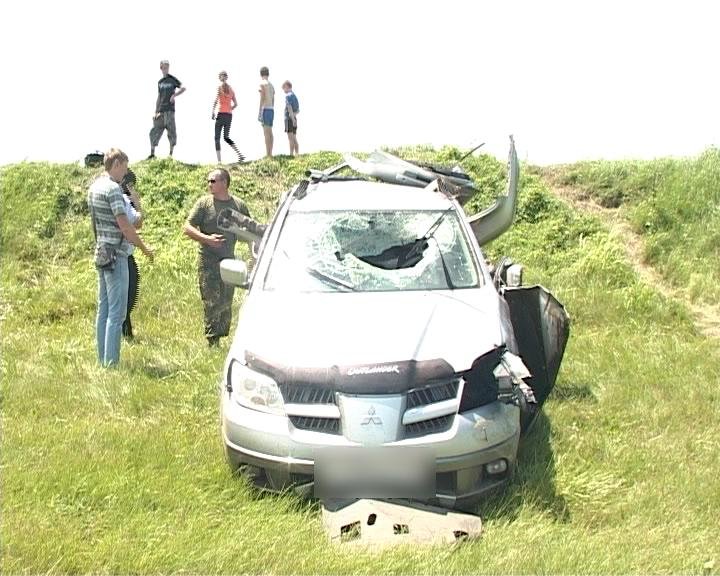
x,y
367,195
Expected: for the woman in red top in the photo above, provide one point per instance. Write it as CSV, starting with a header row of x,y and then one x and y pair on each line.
x,y
226,102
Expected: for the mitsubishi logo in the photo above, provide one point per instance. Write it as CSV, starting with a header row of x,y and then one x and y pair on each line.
x,y
371,418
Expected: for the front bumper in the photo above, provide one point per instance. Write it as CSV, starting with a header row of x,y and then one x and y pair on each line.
x,y
475,438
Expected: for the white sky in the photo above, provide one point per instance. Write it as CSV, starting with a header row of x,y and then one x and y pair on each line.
x,y
571,80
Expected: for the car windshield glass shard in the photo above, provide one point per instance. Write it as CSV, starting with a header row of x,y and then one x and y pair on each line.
x,y
369,251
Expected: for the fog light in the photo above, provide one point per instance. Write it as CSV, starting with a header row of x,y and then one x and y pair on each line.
x,y
496,466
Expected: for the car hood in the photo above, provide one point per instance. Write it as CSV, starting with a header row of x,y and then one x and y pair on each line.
x,y
353,329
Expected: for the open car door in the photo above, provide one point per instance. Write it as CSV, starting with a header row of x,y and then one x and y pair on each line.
x,y
542,327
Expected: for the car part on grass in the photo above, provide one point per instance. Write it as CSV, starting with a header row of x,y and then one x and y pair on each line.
x,y
383,523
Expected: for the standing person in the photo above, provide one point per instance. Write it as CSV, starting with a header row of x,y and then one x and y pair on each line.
x,y
214,246
266,113
113,230
133,210
292,109
169,88
226,102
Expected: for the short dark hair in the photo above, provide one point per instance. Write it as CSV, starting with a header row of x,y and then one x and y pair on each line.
x,y
264,71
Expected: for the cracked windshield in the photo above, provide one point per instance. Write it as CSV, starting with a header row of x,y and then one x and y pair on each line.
x,y
372,251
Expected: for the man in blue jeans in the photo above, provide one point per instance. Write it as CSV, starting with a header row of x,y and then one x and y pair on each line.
x,y
113,229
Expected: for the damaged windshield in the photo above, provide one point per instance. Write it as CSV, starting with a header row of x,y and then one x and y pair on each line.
x,y
372,251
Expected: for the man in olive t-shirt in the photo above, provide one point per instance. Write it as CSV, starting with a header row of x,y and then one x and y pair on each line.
x,y
215,245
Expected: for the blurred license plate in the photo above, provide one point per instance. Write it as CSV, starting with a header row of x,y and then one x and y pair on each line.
x,y
374,472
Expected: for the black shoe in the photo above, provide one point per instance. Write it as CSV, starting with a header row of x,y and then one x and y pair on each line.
x,y
152,155
213,341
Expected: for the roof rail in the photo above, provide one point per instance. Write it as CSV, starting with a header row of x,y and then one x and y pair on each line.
x,y
324,175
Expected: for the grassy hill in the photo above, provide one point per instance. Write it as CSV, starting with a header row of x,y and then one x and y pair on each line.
x,y
122,471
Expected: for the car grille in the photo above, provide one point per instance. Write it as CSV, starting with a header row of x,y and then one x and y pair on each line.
x,y
324,425
298,393
304,393
432,426
432,393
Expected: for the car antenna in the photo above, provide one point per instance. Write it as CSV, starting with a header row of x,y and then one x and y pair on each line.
x,y
471,151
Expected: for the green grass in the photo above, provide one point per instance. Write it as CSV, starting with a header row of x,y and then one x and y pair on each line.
x,y
122,471
674,204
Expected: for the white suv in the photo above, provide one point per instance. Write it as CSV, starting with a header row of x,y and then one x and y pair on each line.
x,y
373,325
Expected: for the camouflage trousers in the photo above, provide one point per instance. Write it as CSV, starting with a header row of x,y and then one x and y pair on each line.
x,y
165,121
217,299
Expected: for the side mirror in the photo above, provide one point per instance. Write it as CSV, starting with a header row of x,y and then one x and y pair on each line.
x,y
234,272
507,273
514,276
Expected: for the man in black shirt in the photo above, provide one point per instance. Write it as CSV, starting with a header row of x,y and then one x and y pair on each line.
x,y
169,88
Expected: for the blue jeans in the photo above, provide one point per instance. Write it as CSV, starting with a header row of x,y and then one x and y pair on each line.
x,y
112,307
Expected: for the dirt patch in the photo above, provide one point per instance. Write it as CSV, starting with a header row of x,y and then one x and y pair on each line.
x,y
705,316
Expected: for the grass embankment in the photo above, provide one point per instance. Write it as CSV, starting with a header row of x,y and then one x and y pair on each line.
x,y
673,204
122,471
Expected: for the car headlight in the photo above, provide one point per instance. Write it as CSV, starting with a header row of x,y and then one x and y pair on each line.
x,y
254,390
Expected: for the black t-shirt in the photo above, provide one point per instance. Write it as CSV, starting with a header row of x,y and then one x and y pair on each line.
x,y
166,88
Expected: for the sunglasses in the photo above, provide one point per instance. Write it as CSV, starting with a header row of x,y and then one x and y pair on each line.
x,y
211,180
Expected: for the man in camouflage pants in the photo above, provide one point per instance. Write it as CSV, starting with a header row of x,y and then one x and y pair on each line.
x,y
169,88
215,244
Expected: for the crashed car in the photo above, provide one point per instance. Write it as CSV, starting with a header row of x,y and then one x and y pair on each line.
x,y
373,324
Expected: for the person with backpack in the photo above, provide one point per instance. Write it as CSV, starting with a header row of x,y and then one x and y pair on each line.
x,y
225,102
292,108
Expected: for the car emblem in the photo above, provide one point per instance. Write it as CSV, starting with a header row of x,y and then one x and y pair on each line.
x,y
371,418
370,370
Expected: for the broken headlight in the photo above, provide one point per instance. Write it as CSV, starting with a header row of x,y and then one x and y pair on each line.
x,y
493,376
481,386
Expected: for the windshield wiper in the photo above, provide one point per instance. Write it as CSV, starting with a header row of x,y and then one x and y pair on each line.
x,y
327,279
446,271
324,278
